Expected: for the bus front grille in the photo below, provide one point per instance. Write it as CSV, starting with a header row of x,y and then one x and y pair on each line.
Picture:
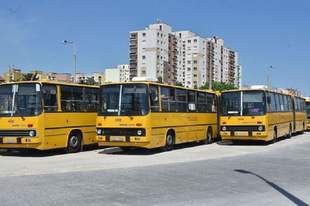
x,y
14,133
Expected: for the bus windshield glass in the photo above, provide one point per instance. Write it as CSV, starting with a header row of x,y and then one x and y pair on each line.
x,y
20,100
243,103
124,100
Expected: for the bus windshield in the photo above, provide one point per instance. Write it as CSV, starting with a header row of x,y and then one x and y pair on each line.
x,y
124,100
243,103
20,100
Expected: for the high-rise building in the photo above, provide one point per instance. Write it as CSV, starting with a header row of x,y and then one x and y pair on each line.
x,y
182,57
153,52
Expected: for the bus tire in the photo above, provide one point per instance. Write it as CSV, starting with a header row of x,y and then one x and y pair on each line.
x,y
74,142
274,140
169,142
209,137
289,135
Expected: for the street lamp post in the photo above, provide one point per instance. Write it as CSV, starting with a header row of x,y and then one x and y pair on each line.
x,y
74,55
268,81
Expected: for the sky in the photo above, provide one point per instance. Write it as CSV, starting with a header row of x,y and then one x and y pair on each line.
x,y
265,33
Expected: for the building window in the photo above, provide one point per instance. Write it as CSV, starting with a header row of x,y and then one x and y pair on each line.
x,y
144,34
143,57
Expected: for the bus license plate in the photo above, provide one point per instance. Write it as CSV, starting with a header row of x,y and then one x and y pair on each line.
x,y
118,139
241,134
9,140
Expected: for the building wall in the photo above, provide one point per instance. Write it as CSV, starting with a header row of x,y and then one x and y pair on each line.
x,y
149,53
63,77
124,72
112,75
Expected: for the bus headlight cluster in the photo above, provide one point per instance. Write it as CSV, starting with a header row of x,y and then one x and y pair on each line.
x,y
139,132
32,133
260,128
100,131
224,128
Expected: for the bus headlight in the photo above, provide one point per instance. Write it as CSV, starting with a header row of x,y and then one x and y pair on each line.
x,y
260,128
99,131
32,133
139,132
224,128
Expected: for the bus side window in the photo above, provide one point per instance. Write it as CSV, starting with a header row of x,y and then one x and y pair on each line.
x,y
154,98
50,97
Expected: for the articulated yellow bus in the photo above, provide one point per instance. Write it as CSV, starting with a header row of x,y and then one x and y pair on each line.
x,y
308,113
152,115
260,114
47,115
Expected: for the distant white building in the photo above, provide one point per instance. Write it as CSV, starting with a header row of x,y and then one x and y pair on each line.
x,y
112,75
124,72
119,74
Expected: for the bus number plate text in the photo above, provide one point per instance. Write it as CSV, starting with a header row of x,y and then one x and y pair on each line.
x,y
9,140
241,134
117,139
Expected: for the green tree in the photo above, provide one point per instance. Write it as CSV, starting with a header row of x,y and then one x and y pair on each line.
x,y
159,79
178,84
90,81
218,86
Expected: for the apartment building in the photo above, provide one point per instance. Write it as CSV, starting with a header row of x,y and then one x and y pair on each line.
x,y
182,57
124,72
153,52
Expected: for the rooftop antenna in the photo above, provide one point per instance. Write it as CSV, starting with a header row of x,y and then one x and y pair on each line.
x,y
158,20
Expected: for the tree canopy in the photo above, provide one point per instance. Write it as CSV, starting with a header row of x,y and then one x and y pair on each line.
x,y
218,86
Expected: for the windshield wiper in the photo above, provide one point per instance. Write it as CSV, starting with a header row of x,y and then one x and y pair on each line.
x,y
127,114
19,111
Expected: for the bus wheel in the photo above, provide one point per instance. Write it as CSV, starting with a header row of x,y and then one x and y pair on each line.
x,y
274,136
209,137
74,143
169,143
289,135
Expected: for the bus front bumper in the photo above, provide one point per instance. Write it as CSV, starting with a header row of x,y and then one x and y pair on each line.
x,y
123,141
235,135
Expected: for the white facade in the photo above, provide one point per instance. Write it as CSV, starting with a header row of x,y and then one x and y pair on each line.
x,y
112,75
124,72
153,48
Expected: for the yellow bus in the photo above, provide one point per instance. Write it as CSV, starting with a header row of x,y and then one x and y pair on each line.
x,y
153,115
299,114
47,115
260,114
308,112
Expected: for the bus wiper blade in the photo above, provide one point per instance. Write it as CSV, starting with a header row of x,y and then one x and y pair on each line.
x,y
127,114
23,118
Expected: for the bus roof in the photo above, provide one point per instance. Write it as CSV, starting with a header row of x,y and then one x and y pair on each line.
x,y
51,82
